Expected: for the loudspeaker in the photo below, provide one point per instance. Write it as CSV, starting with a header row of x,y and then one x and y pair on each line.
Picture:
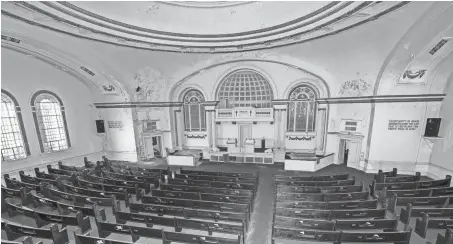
x,y
100,126
432,127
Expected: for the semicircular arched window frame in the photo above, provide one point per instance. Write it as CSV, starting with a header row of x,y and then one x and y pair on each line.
x,y
50,122
14,140
194,112
245,88
302,109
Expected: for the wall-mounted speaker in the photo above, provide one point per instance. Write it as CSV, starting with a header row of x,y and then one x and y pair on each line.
x,y
100,126
432,127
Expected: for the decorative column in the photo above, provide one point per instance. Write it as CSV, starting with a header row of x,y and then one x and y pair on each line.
x,y
279,125
210,123
320,130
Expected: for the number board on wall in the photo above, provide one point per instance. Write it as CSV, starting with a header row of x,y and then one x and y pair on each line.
x,y
115,124
403,124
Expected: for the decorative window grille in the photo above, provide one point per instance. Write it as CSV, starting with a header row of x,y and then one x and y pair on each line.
x,y
302,109
194,113
245,88
349,125
50,120
13,143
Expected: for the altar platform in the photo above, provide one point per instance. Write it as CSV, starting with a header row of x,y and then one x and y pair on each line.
x,y
308,162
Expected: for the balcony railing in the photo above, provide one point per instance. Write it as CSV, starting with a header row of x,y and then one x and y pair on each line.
x,y
245,114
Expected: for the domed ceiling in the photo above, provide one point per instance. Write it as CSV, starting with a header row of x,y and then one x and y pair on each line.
x,y
199,26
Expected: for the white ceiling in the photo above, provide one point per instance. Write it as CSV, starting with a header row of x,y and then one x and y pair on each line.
x,y
199,26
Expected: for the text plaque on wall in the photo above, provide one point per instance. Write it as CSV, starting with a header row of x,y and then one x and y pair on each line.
x,y
115,124
403,124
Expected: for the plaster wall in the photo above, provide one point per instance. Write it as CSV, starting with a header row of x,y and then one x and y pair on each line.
x,y
24,75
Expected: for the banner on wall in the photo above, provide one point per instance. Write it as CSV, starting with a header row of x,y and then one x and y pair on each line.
x,y
403,124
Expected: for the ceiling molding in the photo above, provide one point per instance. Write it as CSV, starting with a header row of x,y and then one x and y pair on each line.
x,y
67,18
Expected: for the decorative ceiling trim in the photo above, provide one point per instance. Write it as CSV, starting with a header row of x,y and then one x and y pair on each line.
x,y
136,41
206,4
137,28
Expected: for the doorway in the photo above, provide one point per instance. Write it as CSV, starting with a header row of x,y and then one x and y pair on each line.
x,y
245,132
348,152
153,147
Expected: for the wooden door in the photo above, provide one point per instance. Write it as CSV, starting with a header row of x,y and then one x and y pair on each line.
x,y
353,155
245,131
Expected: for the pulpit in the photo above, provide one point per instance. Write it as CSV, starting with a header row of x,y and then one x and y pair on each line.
x,y
249,145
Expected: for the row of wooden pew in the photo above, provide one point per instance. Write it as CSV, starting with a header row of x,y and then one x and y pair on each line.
x,y
331,208
223,202
427,200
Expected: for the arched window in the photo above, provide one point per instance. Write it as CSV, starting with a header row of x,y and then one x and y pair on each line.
x,y
245,88
14,141
194,113
50,122
302,109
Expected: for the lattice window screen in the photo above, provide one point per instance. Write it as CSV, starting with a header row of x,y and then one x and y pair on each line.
x,y
12,139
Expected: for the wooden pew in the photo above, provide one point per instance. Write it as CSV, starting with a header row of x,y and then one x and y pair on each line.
x,y
341,224
180,224
43,175
225,191
425,192
134,167
209,205
397,179
201,196
34,180
63,208
70,168
323,197
413,185
26,240
368,204
379,176
408,212
447,239
422,225
147,179
92,192
331,214
316,183
43,219
14,231
19,193
443,201
215,184
162,210
311,178
393,236
101,186
227,174
116,182
51,170
215,178
15,184
320,189
76,198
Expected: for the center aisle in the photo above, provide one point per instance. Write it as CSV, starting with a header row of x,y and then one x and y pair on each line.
x,y
261,220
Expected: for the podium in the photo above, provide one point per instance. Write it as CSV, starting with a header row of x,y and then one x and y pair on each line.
x,y
232,145
249,145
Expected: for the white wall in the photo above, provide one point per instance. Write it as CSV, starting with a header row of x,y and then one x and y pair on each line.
x,y
441,160
22,76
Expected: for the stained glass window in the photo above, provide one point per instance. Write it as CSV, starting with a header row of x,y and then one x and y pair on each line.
x,y
50,119
246,88
194,113
302,109
13,145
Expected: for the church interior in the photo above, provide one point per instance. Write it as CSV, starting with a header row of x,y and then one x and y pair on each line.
x,y
227,122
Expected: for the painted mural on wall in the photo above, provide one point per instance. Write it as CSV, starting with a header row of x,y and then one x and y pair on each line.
x,y
355,88
151,86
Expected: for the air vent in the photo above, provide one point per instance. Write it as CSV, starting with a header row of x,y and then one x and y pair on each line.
x,y
11,39
87,70
439,45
